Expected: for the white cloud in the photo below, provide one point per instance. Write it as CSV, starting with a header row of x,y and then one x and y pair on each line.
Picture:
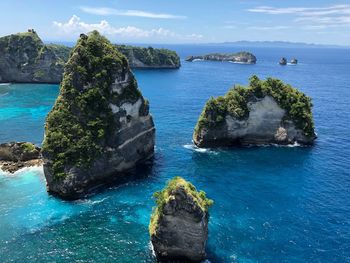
x,y
312,17
105,11
75,26
307,11
268,27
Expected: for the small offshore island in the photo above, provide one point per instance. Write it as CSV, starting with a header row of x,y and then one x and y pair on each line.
x,y
240,57
24,58
266,112
179,224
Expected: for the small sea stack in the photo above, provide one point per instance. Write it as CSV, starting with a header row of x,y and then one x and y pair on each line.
x,y
179,223
294,61
266,112
283,61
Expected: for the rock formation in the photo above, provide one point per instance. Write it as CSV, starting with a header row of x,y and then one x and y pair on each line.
x,y
265,112
294,61
153,58
100,125
283,61
179,223
17,155
240,57
25,58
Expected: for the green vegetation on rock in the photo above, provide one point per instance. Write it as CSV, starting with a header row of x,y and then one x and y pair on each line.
x,y
28,147
79,125
162,197
235,103
150,56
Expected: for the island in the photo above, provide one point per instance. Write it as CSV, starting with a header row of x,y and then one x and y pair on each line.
x,y
17,155
24,58
294,61
100,126
240,57
283,61
152,58
266,112
179,223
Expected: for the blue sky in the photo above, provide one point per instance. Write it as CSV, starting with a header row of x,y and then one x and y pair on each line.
x,y
180,21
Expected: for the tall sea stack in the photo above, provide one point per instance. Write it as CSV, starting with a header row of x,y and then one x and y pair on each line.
x,y
100,125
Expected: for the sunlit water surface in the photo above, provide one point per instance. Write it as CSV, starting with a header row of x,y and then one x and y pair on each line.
x,y
272,204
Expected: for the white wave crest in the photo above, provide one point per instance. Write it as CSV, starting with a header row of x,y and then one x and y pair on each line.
x,y
36,168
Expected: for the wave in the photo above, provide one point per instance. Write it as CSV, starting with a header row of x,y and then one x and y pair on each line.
x,y
35,168
5,84
197,59
91,202
3,95
193,147
239,62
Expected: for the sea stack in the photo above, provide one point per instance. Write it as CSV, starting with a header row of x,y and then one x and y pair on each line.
x,y
100,125
267,111
179,223
283,61
294,61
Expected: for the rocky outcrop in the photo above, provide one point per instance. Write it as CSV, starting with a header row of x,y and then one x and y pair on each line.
x,y
266,112
153,58
100,126
25,58
179,223
294,61
17,155
240,57
283,61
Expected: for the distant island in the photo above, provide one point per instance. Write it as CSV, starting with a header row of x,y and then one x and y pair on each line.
x,y
240,57
153,58
24,58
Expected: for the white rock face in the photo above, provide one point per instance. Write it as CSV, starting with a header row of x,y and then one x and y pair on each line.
x,y
264,120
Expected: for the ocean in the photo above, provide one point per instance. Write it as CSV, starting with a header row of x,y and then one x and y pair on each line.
x,y
271,204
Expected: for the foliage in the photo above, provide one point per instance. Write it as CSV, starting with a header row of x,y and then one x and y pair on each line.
x,y
28,147
162,197
81,120
235,103
151,56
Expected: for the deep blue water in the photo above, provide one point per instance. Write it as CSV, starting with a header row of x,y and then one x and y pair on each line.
x,y
272,204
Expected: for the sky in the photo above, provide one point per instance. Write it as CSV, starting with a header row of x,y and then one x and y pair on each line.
x,y
181,21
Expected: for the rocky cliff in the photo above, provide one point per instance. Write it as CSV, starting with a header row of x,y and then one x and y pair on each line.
x,y
240,57
179,223
268,111
100,125
17,155
140,57
25,58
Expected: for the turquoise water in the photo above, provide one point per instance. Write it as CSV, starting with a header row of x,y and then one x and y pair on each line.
x,y
272,204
